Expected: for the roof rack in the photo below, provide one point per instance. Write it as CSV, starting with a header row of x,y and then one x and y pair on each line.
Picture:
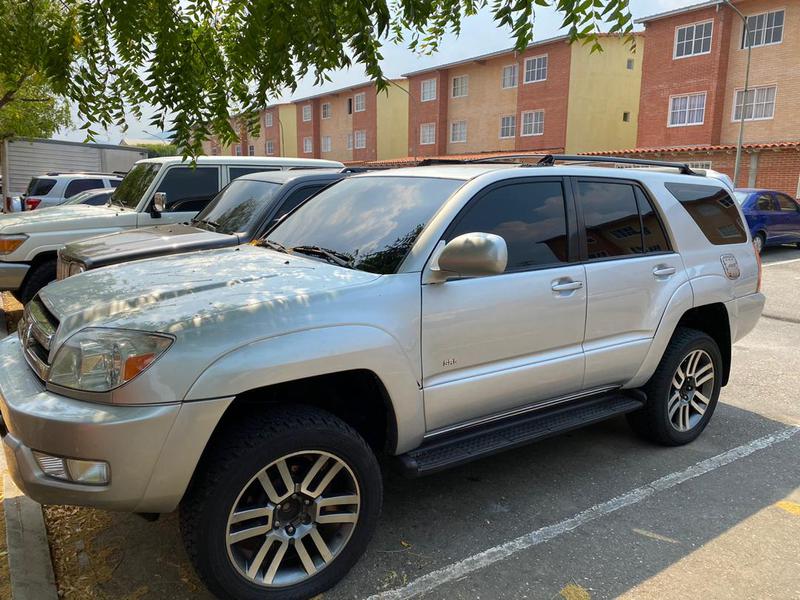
x,y
99,173
550,159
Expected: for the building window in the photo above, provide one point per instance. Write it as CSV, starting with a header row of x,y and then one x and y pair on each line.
x,y
251,150
508,126
349,106
237,150
268,119
532,122
307,112
360,102
270,147
687,110
760,104
349,141
626,117
308,146
629,64
326,110
326,143
509,77
699,164
361,139
460,86
763,29
458,131
428,91
535,69
427,134
693,39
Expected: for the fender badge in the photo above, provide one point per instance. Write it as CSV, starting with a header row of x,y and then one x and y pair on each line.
x,y
731,266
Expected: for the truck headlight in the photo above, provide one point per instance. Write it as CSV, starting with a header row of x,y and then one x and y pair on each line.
x,y
9,243
99,360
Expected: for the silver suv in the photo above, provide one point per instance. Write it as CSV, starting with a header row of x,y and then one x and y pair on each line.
x,y
435,315
56,188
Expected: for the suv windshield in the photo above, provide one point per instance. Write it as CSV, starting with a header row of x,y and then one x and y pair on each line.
x,y
134,185
368,222
238,207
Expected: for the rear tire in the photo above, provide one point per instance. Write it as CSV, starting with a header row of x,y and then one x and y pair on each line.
x,y
314,542
38,277
683,392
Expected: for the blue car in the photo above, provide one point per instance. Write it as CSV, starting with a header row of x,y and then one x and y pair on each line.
x,y
773,217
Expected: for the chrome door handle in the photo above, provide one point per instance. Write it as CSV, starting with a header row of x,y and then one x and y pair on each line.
x,y
663,271
566,286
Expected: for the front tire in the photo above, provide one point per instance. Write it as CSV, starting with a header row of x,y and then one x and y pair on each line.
x,y
683,392
282,505
39,276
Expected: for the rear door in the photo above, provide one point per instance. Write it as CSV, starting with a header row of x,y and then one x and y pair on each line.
x,y
188,191
631,274
787,219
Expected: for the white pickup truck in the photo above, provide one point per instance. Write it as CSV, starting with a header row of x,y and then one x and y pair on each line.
x,y
29,242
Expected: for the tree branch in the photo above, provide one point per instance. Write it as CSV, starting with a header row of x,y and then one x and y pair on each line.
x,y
9,95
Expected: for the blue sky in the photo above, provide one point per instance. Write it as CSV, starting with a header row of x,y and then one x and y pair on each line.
x,y
479,35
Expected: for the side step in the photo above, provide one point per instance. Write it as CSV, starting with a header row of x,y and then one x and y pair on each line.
x,y
483,441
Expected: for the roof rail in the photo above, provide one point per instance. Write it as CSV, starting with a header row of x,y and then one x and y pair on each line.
x,y
550,159
111,173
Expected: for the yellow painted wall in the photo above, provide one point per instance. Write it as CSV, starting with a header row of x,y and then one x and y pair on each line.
x,y
601,89
392,121
287,115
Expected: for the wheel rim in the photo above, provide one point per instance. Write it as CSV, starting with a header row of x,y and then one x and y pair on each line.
x,y
293,518
759,243
691,390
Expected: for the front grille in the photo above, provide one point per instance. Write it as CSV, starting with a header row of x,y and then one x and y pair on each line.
x,y
36,330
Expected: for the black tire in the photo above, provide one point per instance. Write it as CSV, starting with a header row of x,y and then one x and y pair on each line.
x,y
234,458
653,421
38,277
760,242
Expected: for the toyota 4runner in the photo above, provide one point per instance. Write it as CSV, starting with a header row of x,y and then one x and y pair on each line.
x,y
436,315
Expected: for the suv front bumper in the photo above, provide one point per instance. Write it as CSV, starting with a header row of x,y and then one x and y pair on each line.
x,y
152,450
12,275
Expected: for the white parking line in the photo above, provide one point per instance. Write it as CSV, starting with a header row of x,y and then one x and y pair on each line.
x,y
464,567
780,262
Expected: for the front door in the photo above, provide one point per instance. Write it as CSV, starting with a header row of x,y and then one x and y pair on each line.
x,y
631,275
188,191
497,343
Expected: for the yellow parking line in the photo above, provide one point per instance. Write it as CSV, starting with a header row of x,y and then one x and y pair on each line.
x,y
793,508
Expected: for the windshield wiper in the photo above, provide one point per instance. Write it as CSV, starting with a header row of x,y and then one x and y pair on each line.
x,y
271,245
208,222
338,258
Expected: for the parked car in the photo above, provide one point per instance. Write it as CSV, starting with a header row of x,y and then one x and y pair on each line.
x,y
435,315
55,188
92,197
773,217
240,213
29,241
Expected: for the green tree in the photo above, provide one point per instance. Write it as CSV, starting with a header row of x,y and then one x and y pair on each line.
x,y
199,61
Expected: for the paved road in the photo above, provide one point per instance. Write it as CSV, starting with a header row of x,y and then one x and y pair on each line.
x,y
592,514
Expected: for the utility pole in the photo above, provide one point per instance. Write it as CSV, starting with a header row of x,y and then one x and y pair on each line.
x,y
746,40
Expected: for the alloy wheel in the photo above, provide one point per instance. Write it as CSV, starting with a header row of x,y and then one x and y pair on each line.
x,y
691,390
293,518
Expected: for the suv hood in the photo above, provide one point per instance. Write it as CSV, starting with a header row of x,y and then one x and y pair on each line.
x,y
147,242
54,218
185,291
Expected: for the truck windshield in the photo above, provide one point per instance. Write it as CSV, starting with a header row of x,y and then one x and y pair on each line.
x,y
238,207
369,223
135,184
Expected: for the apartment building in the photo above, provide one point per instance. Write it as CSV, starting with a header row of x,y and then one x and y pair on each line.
x,y
692,91
553,97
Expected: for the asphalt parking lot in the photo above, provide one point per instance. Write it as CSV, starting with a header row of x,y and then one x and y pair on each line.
x,y
593,514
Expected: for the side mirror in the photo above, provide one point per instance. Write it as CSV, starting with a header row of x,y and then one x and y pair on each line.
x,y
159,204
470,255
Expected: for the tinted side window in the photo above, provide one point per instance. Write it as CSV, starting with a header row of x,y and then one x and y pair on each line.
x,y
98,199
611,218
764,202
236,172
114,182
713,210
81,185
296,198
654,238
529,216
786,203
189,190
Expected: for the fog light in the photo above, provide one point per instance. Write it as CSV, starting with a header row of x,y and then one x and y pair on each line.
x,y
88,472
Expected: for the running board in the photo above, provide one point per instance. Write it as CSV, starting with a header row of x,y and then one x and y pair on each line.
x,y
477,442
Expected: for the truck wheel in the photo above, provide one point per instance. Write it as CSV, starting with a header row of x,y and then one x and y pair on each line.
x,y
38,277
683,392
282,505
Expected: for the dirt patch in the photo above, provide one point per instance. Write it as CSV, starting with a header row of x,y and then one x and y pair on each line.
x,y
13,310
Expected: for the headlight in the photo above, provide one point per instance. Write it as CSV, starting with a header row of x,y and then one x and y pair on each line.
x,y
99,360
9,243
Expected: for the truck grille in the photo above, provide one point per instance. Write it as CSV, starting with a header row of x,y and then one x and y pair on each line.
x,y
67,268
36,330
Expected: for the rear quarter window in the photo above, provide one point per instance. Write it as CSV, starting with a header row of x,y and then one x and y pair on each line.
x,y
40,186
714,211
